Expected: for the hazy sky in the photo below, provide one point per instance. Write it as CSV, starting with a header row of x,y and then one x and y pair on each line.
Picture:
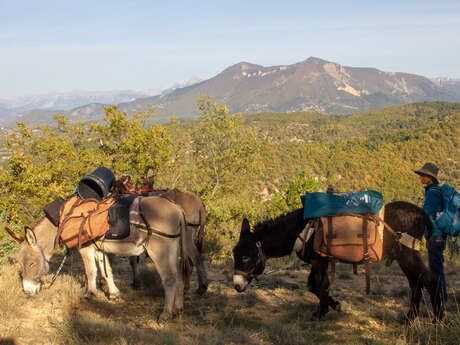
x,y
105,45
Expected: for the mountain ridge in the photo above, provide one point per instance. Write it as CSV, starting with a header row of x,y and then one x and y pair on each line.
x,y
313,84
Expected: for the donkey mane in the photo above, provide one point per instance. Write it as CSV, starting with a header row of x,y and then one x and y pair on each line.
x,y
277,224
410,217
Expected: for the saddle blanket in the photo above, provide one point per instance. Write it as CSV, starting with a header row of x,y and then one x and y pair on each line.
x,y
135,219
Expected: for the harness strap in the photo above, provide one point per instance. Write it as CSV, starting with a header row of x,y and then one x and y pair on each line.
x,y
45,264
260,261
261,257
150,231
402,237
366,255
330,236
333,262
309,229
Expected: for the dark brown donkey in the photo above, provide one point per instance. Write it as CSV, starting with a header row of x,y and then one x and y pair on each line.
x,y
277,238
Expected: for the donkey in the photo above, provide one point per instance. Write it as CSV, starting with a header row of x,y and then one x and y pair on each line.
x,y
165,247
277,238
195,220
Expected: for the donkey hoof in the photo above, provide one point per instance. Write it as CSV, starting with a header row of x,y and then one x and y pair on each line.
x,y
178,313
201,290
314,316
114,297
94,294
338,307
164,317
409,316
318,315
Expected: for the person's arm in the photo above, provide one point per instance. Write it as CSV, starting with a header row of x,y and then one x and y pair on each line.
x,y
432,204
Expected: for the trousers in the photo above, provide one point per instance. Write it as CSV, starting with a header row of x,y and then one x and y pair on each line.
x,y
436,246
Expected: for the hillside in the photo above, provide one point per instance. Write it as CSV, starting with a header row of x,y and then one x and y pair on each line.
x,y
245,164
253,166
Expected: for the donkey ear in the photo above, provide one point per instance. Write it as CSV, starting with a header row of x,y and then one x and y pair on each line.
x,y
30,237
13,234
245,228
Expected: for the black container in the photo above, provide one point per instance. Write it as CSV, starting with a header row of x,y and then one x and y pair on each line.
x,y
97,184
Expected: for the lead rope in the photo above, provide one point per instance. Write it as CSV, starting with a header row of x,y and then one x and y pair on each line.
x,y
60,267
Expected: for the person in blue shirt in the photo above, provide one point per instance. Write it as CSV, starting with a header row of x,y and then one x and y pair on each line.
x,y
432,205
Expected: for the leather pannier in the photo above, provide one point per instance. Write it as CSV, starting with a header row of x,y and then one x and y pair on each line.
x,y
83,220
342,237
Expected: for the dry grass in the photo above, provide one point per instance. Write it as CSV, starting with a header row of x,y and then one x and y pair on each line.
x,y
275,310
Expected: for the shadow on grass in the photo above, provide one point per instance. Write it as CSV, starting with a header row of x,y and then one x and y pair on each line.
x,y
7,341
78,329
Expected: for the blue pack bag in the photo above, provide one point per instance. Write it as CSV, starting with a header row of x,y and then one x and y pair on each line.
x,y
447,220
333,204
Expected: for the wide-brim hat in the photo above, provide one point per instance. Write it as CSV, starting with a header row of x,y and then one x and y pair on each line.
x,y
428,169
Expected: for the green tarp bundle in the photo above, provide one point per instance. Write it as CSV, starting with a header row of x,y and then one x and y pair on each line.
x,y
333,204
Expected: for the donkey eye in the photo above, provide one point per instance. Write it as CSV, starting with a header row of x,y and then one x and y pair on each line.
x,y
246,259
32,264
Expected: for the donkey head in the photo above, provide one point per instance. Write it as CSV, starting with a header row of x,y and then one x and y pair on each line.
x,y
248,257
32,261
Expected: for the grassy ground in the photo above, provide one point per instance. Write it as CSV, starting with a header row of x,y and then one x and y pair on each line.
x,y
275,310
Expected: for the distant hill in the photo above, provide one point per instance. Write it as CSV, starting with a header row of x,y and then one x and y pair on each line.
x,y
43,105
311,85
450,84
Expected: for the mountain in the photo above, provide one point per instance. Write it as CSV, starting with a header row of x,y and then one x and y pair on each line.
x,y
311,85
451,84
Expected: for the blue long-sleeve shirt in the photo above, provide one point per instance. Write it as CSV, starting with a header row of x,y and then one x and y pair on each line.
x,y
433,204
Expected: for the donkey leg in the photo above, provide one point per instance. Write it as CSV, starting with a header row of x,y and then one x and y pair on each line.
x,y
318,283
88,255
106,272
197,260
165,255
134,263
312,285
332,302
324,288
418,275
415,297
433,286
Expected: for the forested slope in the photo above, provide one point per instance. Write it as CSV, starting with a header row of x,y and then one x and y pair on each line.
x,y
254,165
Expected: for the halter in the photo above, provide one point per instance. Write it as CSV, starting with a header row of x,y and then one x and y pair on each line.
x,y
45,265
258,267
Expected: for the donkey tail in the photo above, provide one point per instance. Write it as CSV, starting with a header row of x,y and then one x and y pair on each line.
x,y
185,261
199,241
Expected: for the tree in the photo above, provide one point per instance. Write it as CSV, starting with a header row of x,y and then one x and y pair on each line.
x,y
225,151
48,161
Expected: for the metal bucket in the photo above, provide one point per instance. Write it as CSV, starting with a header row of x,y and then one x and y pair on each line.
x,y
96,185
